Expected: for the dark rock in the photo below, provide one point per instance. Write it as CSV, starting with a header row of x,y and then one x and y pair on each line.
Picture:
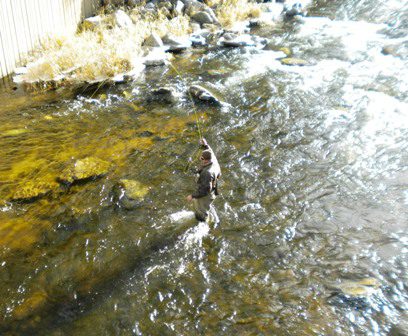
x,y
295,9
202,94
130,193
202,17
85,169
164,94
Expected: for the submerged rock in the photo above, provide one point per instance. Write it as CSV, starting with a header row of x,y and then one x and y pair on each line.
x,y
165,94
14,132
130,193
202,94
88,168
33,190
294,61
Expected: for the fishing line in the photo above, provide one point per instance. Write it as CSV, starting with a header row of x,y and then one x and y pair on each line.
x,y
195,155
192,100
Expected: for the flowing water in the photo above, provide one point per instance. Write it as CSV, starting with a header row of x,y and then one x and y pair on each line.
x,y
312,238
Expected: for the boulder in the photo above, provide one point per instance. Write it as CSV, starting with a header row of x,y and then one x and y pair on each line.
x,y
122,20
131,193
198,40
156,57
202,94
292,10
176,44
194,7
153,40
179,8
233,40
14,132
202,17
32,190
83,170
164,94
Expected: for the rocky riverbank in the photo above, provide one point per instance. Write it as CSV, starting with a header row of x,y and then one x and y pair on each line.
x,y
121,42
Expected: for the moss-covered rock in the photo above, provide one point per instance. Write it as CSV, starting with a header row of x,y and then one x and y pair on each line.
x,y
134,189
286,51
85,169
14,132
33,190
130,193
294,61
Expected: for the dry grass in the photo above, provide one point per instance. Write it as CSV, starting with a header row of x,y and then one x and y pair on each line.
x,y
232,11
98,54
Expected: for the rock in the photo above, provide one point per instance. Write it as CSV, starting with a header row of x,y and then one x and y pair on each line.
x,y
33,190
294,61
198,40
153,40
202,94
293,10
286,51
233,40
210,27
202,17
156,57
195,27
122,20
165,94
85,169
14,132
254,23
179,8
131,193
30,305
92,22
194,7
176,44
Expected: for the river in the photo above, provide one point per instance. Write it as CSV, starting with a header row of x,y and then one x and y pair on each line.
x,y
312,238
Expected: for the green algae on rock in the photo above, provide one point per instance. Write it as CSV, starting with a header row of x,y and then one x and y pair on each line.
x,y
294,61
14,132
33,190
133,189
88,168
131,193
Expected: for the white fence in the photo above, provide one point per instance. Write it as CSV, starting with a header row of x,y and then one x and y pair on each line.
x,y
23,23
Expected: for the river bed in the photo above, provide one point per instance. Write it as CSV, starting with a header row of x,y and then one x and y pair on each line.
x,y
313,211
